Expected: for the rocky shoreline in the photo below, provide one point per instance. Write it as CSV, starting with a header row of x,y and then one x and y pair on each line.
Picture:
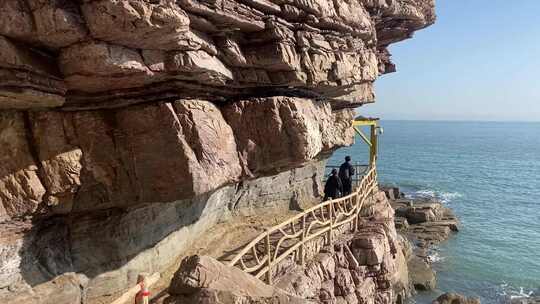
x,y
425,223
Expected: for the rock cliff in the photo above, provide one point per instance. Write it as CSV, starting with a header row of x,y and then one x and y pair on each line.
x,y
128,128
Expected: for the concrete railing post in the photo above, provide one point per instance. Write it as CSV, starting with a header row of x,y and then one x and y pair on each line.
x,y
143,296
302,246
357,211
330,232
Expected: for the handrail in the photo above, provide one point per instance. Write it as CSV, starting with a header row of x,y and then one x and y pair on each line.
x,y
140,291
261,255
359,168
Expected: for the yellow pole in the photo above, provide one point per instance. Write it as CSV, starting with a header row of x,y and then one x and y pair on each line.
x,y
374,144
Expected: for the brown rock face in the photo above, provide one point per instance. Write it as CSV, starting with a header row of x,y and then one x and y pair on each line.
x,y
28,78
103,173
128,128
202,279
22,190
90,160
115,52
294,131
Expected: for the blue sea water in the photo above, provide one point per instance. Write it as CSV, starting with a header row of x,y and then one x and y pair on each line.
x,y
489,174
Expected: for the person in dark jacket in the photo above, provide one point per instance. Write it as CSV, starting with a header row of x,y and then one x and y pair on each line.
x,y
333,187
346,173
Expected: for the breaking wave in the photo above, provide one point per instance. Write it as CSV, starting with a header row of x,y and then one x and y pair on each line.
x,y
444,197
435,257
510,292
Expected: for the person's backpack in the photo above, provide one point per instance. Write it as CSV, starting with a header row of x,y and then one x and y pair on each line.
x,y
344,173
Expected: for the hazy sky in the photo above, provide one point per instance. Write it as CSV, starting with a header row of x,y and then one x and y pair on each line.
x,y
479,61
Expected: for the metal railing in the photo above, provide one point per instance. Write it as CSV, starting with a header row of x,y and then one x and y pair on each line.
x,y
359,169
289,238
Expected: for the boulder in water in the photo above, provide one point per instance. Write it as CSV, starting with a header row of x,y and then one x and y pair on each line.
x,y
421,274
455,298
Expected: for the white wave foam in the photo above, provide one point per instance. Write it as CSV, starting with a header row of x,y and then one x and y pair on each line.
x,y
435,257
511,292
425,193
447,197
444,197
522,294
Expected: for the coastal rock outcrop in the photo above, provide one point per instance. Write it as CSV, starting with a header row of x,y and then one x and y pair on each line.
x,y
129,128
454,298
426,223
421,274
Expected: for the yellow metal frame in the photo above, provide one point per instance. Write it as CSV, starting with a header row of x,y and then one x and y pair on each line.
x,y
372,141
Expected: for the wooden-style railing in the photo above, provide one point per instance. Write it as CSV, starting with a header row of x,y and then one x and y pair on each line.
x,y
359,169
140,291
289,238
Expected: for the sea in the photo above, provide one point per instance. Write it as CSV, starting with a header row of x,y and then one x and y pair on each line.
x,y
489,174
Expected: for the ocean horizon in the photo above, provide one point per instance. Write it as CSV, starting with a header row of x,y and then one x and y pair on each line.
x,y
459,120
487,172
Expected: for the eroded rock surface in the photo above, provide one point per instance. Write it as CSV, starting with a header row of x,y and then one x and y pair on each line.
x,y
202,279
119,182
109,53
94,160
128,128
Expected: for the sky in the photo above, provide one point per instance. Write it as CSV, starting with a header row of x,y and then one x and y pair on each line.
x,y
480,61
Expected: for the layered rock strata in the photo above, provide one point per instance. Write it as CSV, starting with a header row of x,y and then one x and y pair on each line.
x,y
128,128
110,53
